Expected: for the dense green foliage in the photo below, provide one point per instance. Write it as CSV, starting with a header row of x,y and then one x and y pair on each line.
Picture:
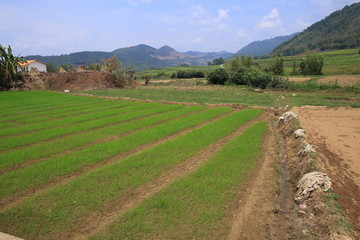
x,y
9,65
312,65
340,30
217,61
188,74
242,71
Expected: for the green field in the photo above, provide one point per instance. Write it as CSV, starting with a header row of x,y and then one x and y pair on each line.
x,y
64,159
335,63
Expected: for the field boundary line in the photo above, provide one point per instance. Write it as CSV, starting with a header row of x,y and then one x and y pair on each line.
x,y
251,190
18,197
97,221
103,140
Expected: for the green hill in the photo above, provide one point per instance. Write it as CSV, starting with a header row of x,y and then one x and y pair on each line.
x,y
340,30
264,47
141,57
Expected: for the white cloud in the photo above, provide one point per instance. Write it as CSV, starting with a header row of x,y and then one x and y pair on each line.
x,y
198,40
136,3
271,20
203,19
237,8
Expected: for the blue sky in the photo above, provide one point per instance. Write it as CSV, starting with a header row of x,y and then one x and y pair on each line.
x,y
53,27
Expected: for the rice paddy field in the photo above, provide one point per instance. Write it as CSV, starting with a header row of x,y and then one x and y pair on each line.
x,y
79,167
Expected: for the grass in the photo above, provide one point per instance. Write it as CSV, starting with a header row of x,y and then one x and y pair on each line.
x,y
49,148
196,206
116,116
234,94
57,210
49,170
92,113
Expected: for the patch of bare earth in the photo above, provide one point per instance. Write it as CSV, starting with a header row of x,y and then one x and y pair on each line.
x,y
336,135
299,79
342,80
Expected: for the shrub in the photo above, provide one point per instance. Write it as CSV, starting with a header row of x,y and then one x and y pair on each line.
x,y
217,76
188,74
312,65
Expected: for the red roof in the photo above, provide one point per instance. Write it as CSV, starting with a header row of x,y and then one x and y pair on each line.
x,y
27,62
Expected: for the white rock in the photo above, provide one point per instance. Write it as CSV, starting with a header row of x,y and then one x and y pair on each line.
x,y
300,133
66,90
287,117
312,182
307,149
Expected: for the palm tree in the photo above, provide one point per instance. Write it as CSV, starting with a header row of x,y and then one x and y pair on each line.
x,y
9,65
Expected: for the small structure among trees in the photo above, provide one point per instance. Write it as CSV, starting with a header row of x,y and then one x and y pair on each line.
x,y
32,66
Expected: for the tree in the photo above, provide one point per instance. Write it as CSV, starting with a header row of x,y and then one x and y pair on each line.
x,y
9,65
312,65
217,61
217,76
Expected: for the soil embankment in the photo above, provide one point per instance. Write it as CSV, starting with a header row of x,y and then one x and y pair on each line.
x,y
73,81
336,135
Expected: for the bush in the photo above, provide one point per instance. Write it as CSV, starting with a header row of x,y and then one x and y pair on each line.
x,y
312,65
188,74
217,76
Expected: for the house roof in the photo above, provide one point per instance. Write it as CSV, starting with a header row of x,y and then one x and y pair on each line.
x,y
27,62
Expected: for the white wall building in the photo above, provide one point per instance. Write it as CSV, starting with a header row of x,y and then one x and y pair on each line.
x,y
32,64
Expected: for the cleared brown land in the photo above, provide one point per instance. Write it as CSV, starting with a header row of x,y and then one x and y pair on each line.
x,y
335,133
342,80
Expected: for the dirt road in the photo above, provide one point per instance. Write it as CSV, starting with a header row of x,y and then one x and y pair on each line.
x,y
335,133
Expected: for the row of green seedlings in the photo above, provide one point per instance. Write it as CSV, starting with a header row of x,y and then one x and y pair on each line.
x,y
58,145
49,215
118,115
88,113
53,168
51,110
44,103
195,206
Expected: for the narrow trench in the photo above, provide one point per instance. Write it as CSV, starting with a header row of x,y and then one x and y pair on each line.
x,y
285,190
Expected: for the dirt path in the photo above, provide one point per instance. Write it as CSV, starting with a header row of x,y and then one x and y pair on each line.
x,y
336,135
97,221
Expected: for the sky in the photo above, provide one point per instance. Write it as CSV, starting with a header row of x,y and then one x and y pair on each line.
x,y
54,27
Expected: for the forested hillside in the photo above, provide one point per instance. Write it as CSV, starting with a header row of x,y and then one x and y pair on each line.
x,y
340,30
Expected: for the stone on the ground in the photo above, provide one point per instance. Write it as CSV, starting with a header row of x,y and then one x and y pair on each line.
x,y
66,90
287,117
312,182
307,149
300,133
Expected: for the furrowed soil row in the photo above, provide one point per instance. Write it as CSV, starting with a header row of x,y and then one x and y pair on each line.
x,y
19,141
129,175
45,108
15,198
194,206
97,221
69,121
97,127
133,130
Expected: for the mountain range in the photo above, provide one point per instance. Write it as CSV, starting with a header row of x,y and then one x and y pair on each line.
x,y
339,30
140,57
264,47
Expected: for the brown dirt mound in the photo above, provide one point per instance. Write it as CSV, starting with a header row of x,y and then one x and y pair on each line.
x,y
73,81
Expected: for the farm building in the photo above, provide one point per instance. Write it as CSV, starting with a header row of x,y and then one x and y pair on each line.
x,y
32,66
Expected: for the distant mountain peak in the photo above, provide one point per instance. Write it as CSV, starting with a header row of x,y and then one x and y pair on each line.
x,y
263,47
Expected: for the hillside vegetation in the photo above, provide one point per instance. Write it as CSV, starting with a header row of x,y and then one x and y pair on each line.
x,y
340,30
264,47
